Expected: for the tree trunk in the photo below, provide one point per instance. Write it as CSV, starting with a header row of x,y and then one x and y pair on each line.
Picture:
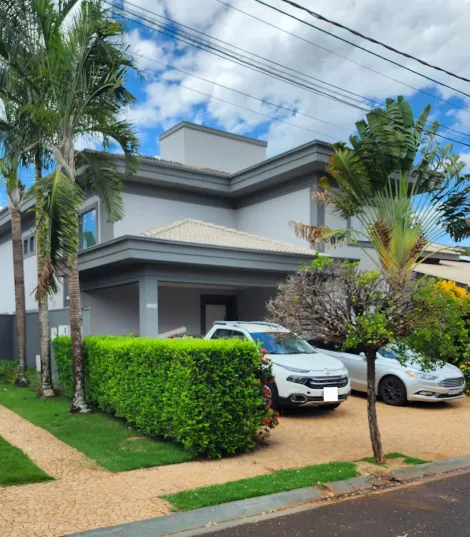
x,y
76,329
46,389
372,408
20,301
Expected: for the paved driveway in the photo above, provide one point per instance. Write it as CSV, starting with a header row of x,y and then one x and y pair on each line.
x,y
308,436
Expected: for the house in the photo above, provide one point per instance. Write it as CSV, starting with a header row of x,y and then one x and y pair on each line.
x,y
205,236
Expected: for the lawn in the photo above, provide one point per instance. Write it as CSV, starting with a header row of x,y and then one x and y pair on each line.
x,y
106,440
16,468
407,460
278,481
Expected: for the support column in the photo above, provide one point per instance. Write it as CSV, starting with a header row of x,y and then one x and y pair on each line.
x,y
148,306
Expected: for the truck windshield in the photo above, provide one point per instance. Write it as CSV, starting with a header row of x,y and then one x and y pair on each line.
x,y
274,345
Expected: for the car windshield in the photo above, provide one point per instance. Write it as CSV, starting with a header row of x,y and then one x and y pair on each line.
x,y
387,352
274,345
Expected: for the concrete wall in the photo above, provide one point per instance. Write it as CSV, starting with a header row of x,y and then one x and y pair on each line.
x,y
7,337
352,252
144,213
181,306
271,218
252,303
208,148
113,311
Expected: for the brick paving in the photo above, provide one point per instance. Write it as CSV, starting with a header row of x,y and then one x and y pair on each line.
x,y
85,496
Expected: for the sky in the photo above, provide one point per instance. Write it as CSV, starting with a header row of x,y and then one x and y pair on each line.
x,y
433,33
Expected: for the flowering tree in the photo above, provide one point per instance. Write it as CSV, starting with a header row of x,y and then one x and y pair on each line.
x,y
338,302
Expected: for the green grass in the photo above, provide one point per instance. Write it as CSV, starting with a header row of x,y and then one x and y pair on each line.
x,y
106,440
279,481
395,455
16,468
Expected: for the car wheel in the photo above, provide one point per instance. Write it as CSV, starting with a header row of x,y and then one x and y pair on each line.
x,y
272,389
392,391
329,407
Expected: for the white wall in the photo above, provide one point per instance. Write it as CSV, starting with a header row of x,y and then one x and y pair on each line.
x,y
352,252
144,213
202,149
114,311
7,291
271,218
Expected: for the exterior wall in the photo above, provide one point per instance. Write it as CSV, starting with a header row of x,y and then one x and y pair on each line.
x,y
217,150
271,218
352,252
144,213
113,311
252,303
181,306
7,337
7,294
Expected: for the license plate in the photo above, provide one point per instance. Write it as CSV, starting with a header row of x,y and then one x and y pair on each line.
x,y
330,394
454,391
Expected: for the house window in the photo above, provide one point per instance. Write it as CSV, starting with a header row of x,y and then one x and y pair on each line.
x,y
29,246
88,229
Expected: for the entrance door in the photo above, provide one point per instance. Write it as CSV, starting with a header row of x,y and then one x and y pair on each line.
x,y
217,308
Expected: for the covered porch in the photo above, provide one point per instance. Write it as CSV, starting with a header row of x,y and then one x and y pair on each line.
x,y
147,285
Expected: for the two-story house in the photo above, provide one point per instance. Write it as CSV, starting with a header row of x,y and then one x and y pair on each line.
x,y
205,236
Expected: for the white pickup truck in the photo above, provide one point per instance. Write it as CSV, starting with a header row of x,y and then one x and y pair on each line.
x,y
302,375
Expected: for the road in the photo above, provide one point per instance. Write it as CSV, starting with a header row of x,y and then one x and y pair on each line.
x,y
436,508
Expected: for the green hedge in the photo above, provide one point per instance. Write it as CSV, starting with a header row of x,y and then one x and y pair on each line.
x,y
206,395
8,371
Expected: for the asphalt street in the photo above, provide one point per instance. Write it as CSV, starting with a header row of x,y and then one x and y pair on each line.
x,y
438,508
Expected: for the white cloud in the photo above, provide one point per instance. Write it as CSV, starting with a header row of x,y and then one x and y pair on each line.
x,y
436,35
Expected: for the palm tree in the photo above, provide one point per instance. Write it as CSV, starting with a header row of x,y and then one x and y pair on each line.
x,y
402,202
83,65
9,166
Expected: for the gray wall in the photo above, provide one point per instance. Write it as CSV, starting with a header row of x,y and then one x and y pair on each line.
x,y
252,303
113,311
144,213
207,148
270,218
8,333
7,337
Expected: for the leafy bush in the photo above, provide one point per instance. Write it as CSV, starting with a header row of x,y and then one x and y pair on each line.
x,y
8,371
207,395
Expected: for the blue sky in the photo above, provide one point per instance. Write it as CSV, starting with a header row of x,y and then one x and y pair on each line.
x,y
434,35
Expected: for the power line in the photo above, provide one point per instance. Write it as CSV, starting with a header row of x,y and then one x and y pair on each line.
x,y
240,60
257,69
372,40
237,105
362,48
448,103
296,112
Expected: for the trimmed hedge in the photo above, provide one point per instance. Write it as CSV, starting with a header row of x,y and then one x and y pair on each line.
x,y
206,395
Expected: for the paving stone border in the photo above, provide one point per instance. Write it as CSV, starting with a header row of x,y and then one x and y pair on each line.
x,y
199,519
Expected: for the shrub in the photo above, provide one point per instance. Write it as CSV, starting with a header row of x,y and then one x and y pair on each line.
x,y
8,371
207,395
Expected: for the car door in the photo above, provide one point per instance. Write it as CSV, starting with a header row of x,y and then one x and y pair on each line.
x,y
356,365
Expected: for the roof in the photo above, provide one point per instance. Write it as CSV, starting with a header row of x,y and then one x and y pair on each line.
x,y
195,231
457,271
211,130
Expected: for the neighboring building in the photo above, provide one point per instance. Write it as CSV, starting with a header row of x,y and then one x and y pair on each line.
x,y
205,236
447,263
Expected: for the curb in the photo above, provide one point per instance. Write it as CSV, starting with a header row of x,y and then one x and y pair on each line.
x,y
200,519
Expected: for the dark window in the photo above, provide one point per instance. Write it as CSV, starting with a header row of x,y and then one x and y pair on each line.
x,y
222,333
88,229
32,245
275,345
25,247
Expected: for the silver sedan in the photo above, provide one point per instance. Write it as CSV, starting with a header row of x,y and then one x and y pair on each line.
x,y
395,383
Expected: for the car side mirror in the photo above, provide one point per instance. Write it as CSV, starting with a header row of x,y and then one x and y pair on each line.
x,y
362,355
